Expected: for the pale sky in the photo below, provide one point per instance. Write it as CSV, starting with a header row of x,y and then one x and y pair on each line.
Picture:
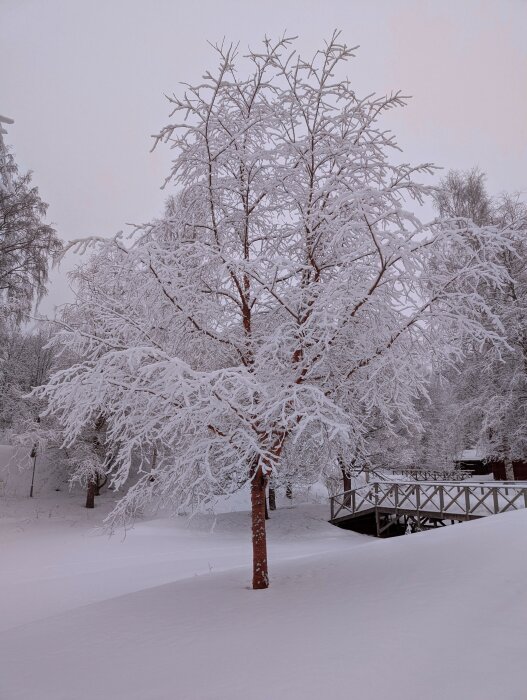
x,y
84,81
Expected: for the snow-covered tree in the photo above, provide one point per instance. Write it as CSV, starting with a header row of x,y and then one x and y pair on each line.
x,y
488,388
464,195
501,397
446,428
27,243
286,298
25,362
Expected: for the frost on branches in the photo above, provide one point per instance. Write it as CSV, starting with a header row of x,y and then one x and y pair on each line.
x,y
288,295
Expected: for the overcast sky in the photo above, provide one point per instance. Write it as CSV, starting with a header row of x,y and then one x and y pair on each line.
x,y
84,81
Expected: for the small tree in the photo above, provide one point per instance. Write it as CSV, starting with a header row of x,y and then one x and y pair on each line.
x,y
288,295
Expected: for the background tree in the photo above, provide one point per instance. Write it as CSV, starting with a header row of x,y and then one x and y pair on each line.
x,y
481,400
27,362
464,195
26,243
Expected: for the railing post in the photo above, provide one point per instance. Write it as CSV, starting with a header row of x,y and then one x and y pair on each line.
x,y
467,500
332,506
495,499
441,499
376,492
353,506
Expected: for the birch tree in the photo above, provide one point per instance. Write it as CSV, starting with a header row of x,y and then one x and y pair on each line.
x,y
287,298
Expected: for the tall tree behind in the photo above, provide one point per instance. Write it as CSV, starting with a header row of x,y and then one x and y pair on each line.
x,y
27,245
26,242
464,195
490,385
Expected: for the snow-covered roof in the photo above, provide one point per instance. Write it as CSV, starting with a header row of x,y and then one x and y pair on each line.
x,y
470,455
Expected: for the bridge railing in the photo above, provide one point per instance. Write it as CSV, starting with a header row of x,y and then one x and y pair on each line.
x,y
441,500
423,474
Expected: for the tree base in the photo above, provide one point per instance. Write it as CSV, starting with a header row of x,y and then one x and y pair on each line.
x,y
258,503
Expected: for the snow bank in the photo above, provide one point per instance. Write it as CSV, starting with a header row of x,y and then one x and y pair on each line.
x,y
55,557
431,616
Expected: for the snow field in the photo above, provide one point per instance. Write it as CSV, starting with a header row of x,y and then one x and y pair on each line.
x,y
168,612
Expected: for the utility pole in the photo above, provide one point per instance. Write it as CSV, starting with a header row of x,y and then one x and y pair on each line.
x,y
34,455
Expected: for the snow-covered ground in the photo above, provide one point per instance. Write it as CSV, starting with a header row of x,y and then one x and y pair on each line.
x,y
167,613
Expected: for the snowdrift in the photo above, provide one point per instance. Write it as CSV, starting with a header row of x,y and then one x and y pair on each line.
x,y
430,616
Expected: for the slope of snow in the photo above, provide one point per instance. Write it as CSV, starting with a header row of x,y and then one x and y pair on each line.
x,y
55,557
432,616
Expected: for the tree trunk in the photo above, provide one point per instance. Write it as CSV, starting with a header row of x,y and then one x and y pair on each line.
x,y
346,480
99,483
509,469
260,573
346,484
272,498
289,492
153,464
34,455
90,494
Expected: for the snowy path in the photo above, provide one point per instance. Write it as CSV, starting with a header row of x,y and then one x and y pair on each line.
x,y
434,616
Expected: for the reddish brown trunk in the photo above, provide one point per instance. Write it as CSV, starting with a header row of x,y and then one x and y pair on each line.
x,y
90,494
260,573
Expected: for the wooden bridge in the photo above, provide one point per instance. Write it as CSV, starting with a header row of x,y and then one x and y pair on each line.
x,y
385,508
